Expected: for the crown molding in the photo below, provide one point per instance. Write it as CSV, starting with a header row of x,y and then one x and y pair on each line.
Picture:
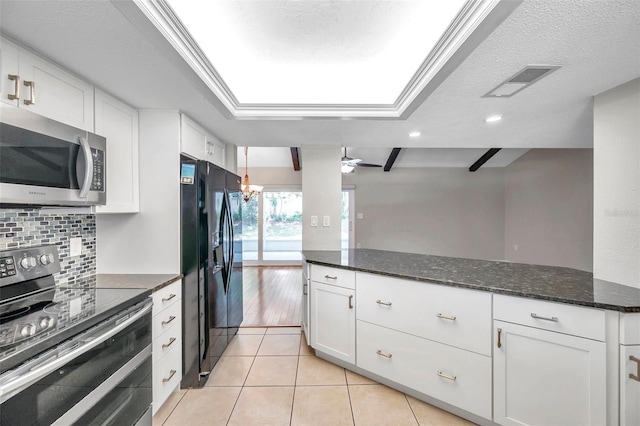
x,y
433,70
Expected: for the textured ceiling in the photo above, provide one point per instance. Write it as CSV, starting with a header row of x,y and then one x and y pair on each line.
x,y
597,43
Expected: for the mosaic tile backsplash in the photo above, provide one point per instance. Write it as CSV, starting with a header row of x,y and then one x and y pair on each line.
x,y
25,227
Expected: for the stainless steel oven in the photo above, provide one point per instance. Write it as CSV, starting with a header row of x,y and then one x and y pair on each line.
x,y
44,162
71,355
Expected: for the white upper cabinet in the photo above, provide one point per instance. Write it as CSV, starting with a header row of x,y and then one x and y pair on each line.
x,y
198,143
118,122
44,88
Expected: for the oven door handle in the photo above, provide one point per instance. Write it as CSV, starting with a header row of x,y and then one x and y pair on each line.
x,y
34,372
85,185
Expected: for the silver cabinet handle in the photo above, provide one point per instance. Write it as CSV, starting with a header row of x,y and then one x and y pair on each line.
x,y
499,336
444,376
384,354
16,87
304,290
536,316
88,167
32,92
380,302
171,318
166,345
166,299
447,317
636,376
171,373
329,277
351,301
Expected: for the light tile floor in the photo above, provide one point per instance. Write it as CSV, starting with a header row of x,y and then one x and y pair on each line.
x,y
269,376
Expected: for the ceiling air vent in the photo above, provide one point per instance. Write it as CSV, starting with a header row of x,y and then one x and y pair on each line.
x,y
523,78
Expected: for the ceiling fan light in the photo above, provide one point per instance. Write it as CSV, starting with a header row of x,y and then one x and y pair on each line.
x,y
345,168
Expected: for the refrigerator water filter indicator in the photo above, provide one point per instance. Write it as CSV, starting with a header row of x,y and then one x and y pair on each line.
x,y
187,174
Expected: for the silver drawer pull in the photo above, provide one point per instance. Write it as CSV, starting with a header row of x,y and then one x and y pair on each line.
x,y
447,317
536,316
380,302
166,345
171,373
16,87
171,318
444,376
166,299
386,355
329,277
32,92
636,376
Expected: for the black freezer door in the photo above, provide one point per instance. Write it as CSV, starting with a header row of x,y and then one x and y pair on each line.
x,y
234,284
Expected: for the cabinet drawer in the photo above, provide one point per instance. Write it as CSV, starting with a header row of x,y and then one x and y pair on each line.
x,y
454,316
166,342
560,317
334,276
166,376
166,297
452,375
166,319
630,329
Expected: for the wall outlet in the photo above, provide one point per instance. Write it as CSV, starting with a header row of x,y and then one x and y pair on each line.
x,y
359,215
515,247
358,245
326,221
314,220
75,247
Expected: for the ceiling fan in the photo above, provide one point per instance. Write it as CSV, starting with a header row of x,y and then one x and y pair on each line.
x,y
349,164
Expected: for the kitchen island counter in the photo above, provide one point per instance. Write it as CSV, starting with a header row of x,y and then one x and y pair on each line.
x,y
552,283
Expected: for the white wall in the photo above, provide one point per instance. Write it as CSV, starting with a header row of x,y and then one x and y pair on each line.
x,y
272,176
321,196
148,242
548,208
616,232
438,211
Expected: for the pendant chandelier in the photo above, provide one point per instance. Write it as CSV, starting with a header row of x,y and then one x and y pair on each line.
x,y
248,190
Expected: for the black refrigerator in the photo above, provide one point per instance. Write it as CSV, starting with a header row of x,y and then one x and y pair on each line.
x,y
211,253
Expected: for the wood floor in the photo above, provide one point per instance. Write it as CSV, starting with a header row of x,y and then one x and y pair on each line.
x,y
272,296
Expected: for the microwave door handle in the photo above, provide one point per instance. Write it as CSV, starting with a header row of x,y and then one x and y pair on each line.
x,y
88,167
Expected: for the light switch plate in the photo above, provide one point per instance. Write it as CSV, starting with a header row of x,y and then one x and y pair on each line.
x,y
326,220
359,216
314,220
75,247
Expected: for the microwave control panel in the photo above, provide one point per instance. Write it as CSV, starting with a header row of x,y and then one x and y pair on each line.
x,y
97,183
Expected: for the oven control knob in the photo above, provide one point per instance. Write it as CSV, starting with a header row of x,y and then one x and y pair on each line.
x,y
28,262
46,259
46,322
27,330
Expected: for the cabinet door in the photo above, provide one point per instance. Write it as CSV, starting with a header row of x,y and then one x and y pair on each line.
x,y
333,321
10,85
547,378
119,124
215,151
193,138
305,301
55,93
630,386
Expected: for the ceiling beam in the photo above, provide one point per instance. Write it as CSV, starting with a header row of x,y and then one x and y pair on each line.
x,y
295,158
391,159
485,157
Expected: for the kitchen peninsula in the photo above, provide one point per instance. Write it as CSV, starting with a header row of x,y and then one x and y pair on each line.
x,y
495,342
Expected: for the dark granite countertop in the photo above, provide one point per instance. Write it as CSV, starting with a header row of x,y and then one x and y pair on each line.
x,y
153,282
552,283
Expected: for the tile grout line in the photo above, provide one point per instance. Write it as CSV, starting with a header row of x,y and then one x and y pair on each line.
x,y
245,379
174,408
295,382
411,408
353,416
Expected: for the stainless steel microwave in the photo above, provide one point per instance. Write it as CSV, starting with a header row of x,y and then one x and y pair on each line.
x,y
45,162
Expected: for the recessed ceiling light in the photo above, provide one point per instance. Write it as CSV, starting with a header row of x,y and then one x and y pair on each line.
x,y
493,118
414,134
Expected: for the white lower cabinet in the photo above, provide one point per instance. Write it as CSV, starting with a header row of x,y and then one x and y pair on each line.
x,y
333,321
455,376
630,370
167,342
547,378
305,300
